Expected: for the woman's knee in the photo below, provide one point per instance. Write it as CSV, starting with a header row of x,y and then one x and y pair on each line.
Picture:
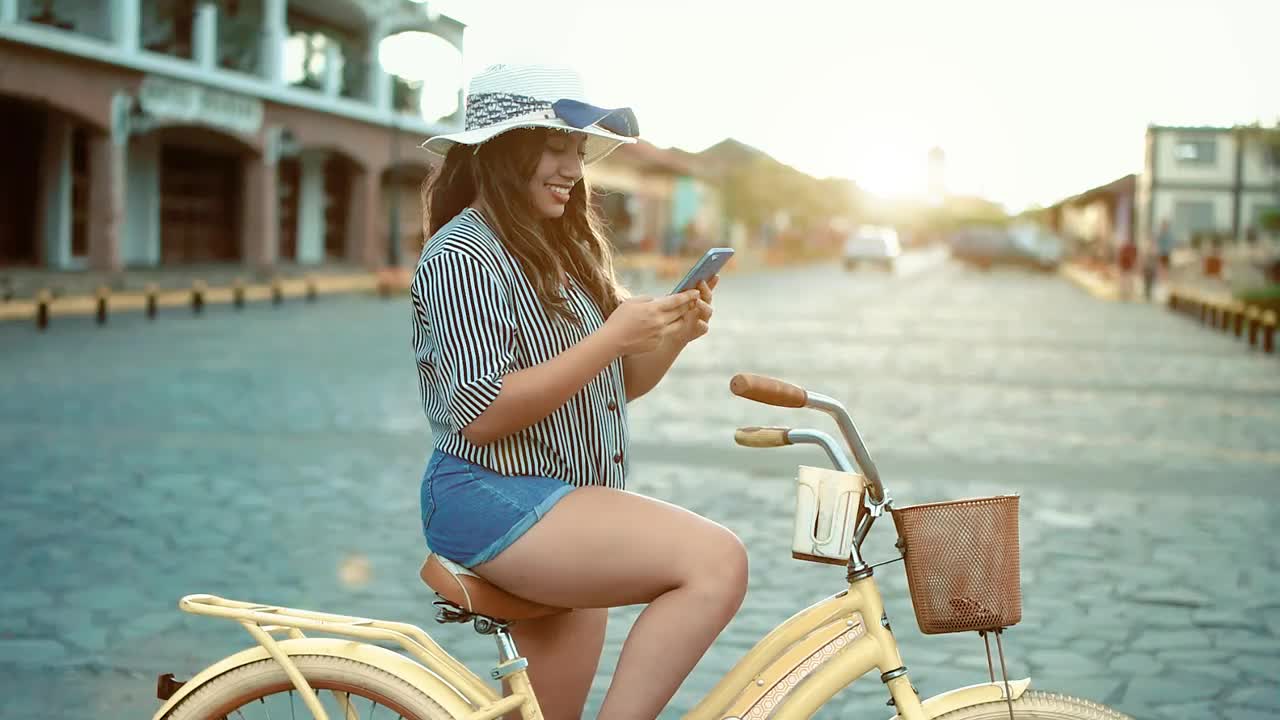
x,y
721,569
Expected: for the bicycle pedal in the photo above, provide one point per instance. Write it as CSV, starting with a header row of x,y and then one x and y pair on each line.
x,y
166,686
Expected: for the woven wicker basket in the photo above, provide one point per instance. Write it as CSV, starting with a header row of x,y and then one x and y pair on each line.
x,y
962,563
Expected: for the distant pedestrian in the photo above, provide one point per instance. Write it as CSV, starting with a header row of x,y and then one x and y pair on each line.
x,y
1150,267
1164,244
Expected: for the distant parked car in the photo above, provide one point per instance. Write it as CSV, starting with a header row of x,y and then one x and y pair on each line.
x,y
872,244
1021,246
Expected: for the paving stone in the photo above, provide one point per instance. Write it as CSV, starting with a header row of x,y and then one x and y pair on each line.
x,y
31,651
1236,712
1168,689
1136,664
1181,597
1172,640
1261,697
1224,619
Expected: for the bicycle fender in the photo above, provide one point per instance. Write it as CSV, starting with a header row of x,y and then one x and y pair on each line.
x,y
971,695
386,660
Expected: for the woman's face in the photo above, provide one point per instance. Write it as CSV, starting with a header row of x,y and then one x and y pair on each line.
x,y
559,169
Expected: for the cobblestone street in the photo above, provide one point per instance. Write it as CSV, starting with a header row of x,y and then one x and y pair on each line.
x,y
274,455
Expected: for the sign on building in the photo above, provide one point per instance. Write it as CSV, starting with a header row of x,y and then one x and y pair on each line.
x,y
165,101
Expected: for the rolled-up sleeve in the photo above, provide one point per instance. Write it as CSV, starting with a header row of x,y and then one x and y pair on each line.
x,y
473,324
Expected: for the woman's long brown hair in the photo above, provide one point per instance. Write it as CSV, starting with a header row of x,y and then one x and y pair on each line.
x,y
499,171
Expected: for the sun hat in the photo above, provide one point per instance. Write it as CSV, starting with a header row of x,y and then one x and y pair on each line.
x,y
506,97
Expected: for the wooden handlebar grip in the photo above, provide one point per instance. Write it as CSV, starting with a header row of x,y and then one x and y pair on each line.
x,y
761,437
767,390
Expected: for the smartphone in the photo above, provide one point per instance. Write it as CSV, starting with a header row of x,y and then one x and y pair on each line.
x,y
706,268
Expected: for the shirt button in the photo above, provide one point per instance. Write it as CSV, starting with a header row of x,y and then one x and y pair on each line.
x,y
613,405
617,458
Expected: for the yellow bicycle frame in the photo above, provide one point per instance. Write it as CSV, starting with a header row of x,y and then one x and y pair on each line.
x,y
789,674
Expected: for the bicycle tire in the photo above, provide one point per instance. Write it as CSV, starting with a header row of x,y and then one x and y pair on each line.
x,y
1038,705
237,688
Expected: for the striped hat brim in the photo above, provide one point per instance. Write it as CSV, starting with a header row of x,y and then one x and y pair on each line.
x,y
600,142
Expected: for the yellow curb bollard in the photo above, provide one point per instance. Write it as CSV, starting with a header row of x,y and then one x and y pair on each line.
x,y
151,301
310,281
198,288
102,293
1268,322
1237,318
1253,316
237,293
277,292
43,298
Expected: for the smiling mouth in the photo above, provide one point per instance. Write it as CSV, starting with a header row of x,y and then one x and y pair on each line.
x,y
560,191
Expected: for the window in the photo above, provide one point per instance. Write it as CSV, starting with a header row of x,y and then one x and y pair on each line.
x,y
1191,216
306,58
1200,151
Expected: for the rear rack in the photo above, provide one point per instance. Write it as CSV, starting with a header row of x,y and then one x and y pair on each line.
x,y
262,621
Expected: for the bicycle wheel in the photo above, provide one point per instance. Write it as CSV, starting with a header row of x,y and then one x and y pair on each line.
x,y
262,690
1036,705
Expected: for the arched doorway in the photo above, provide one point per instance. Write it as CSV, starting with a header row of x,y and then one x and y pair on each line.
x,y
44,181
200,189
314,187
402,209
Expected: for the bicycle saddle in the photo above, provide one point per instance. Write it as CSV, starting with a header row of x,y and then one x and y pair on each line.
x,y
478,596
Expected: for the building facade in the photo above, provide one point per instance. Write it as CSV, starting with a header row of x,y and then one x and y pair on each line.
x,y
1206,179
145,133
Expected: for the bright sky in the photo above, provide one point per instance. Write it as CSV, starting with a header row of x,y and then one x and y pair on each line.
x,y
1032,100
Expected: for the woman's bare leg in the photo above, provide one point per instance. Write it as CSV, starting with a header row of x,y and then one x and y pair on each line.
x,y
563,653
601,548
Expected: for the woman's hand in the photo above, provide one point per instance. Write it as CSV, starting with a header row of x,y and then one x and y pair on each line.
x,y
697,315
641,324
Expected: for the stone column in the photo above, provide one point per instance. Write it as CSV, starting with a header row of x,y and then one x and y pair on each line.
x,y
365,245
126,19
378,81
106,202
55,193
8,11
108,184
204,35
260,232
272,38
311,225
332,70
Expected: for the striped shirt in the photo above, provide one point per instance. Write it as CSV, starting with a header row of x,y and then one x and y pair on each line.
x,y
476,318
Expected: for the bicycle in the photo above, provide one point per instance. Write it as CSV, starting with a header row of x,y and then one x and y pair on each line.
x,y
790,673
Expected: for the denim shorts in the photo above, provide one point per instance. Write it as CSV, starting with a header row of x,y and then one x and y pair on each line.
x,y
471,513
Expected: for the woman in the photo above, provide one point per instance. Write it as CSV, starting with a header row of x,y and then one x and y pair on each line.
x,y
528,354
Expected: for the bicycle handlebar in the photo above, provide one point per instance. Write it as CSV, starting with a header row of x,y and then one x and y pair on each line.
x,y
761,437
772,391
767,390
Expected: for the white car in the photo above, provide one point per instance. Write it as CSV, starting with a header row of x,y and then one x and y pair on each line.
x,y
872,244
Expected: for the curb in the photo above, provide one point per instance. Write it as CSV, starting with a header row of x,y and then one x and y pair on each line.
x,y
1228,315
102,303
1090,282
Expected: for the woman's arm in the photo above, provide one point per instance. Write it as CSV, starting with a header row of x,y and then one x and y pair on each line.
x,y
642,373
529,395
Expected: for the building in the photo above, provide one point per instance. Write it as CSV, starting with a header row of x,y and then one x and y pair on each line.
x,y
1098,221
657,200
1206,179
147,133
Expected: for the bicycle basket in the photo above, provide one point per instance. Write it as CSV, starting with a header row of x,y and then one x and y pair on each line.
x,y
962,567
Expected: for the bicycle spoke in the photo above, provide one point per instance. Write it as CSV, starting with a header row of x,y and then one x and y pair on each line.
x,y
291,711
264,706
